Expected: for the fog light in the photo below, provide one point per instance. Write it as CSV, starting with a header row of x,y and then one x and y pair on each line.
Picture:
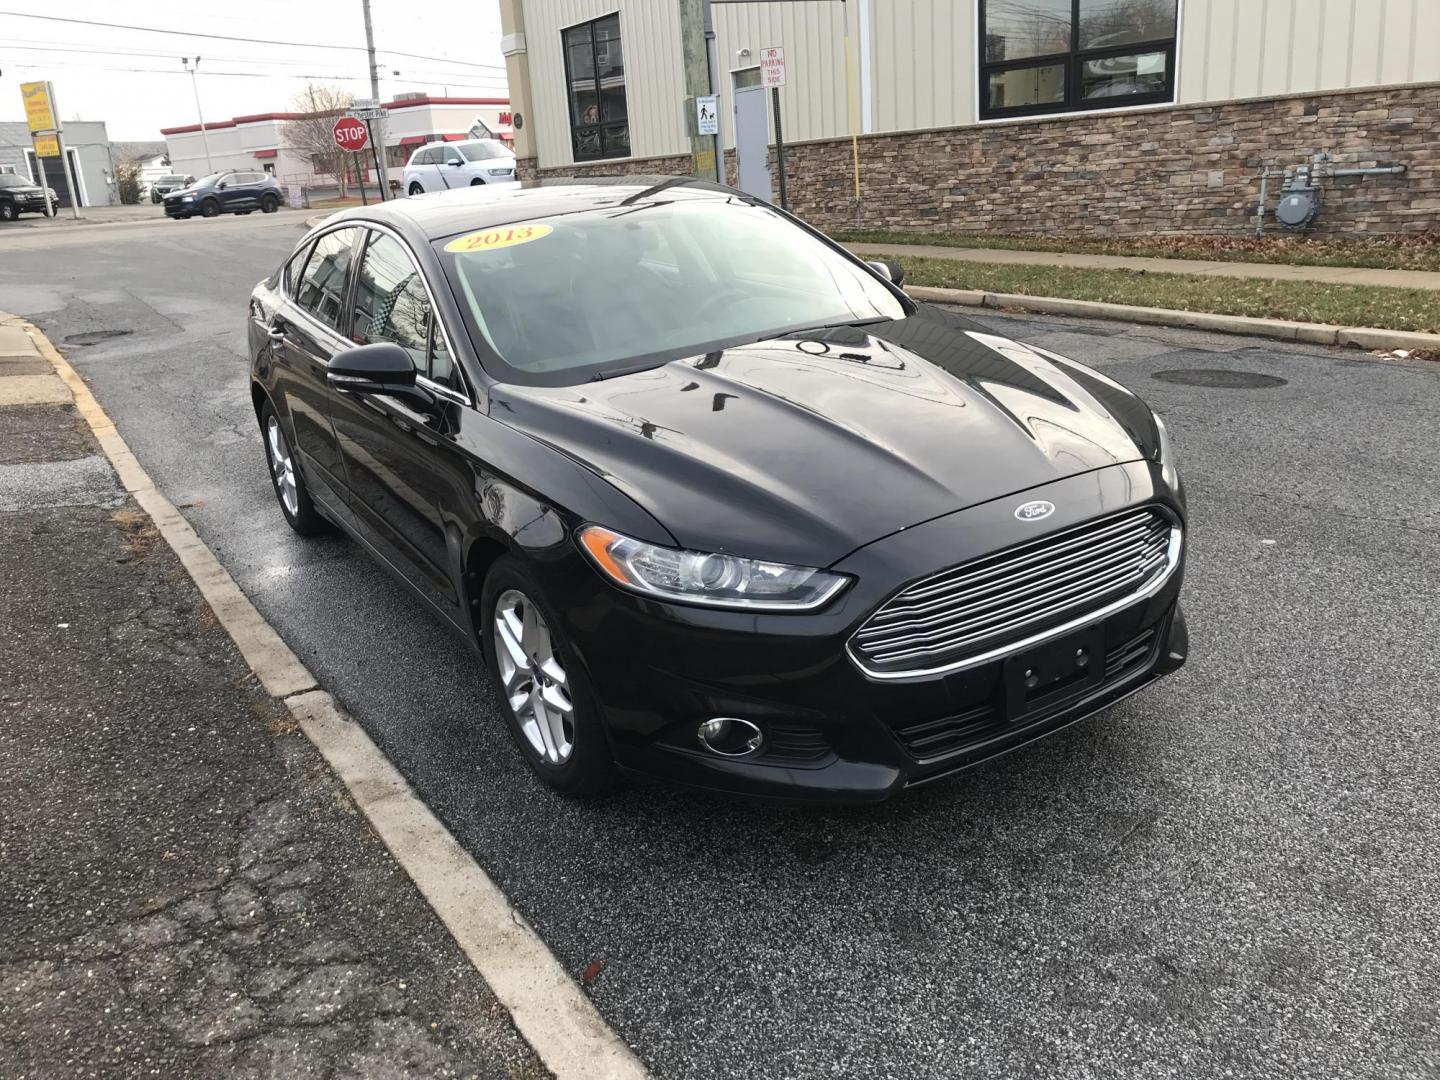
x,y
729,737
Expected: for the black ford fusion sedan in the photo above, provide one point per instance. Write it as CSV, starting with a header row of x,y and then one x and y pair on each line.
x,y
713,499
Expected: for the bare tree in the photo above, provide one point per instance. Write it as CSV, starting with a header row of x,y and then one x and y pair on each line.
x,y
319,104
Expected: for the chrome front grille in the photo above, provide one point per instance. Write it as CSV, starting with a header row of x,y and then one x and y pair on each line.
x,y
959,617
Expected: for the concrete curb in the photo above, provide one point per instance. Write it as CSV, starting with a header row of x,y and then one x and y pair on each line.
x,y
548,1008
1307,333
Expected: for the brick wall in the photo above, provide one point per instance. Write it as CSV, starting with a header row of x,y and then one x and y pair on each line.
x,y
1192,169
676,165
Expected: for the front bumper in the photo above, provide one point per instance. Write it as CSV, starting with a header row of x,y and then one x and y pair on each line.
x,y
177,209
834,733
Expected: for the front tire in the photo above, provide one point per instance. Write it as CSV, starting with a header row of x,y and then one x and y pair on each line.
x,y
269,204
544,692
210,208
8,212
286,478
416,189
477,182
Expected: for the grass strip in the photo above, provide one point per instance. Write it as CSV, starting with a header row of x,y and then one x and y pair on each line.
x,y
1297,301
1415,251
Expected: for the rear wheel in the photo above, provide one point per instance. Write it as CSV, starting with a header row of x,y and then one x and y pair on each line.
x,y
286,478
544,693
416,189
210,208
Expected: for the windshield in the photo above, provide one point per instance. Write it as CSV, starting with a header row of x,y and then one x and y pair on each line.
x,y
485,150
213,178
12,180
559,300
172,179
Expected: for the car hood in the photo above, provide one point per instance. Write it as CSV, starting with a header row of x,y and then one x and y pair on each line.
x,y
804,447
25,189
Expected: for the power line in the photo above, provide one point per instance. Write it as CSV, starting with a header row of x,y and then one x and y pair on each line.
x,y
181,33
251,40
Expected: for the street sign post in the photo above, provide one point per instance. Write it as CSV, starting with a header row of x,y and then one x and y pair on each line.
x,y
42,117
772,76
772,68
707,115
352,135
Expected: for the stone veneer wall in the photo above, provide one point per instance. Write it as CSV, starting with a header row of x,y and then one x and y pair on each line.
x,y
1189,169
1185,169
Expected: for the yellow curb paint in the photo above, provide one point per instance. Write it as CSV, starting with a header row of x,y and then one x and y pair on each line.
x,y
548,1007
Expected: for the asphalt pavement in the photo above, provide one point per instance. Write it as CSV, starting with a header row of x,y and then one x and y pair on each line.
x,y
1233,874
188,891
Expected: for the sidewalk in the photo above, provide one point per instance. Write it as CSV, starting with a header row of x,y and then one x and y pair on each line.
x,y
188,889
1332,275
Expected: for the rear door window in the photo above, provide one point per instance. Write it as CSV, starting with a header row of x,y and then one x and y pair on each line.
x,y
321,290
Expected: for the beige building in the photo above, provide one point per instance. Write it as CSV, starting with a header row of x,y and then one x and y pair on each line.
x,y
1081,114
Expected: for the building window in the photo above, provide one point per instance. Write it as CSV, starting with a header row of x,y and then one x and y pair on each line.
x,y
1049,56
595,81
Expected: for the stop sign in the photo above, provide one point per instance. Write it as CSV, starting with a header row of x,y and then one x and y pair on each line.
x,y
350,134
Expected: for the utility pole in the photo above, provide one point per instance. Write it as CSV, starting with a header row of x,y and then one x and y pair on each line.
x,y
697,45
382,150
195,86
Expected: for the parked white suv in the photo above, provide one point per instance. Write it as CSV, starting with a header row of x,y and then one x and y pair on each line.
x,y
438,166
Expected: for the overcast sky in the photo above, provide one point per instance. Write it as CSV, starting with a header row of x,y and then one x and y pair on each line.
x,y
133,80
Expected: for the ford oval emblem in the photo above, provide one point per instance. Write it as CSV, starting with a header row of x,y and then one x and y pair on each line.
x,y
1034,511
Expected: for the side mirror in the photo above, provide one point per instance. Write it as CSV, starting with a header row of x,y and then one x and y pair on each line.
x,y
454,161
381,368
222,185
890,270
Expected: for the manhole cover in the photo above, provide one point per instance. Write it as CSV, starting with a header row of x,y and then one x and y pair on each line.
x,y
1224,380
94,337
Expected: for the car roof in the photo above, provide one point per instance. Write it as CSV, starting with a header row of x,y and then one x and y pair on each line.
x,y
445,213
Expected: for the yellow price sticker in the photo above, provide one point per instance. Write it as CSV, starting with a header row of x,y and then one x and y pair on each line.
x,y
491,239
47,146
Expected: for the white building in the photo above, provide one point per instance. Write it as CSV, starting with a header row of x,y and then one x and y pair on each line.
x,y
259,141
1118,114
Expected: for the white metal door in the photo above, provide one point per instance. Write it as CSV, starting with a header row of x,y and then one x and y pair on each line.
x,y
752,137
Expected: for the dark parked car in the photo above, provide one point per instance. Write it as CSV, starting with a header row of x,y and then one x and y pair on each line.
x,y
228,192
19,196
715,500
163,185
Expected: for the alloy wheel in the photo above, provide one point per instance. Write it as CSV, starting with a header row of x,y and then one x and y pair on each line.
x,y
283,466
535,683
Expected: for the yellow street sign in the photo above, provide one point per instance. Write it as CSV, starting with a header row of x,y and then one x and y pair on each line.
x,y
47,145
39,110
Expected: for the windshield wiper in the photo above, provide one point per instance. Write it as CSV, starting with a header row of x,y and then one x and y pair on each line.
x,y
655,189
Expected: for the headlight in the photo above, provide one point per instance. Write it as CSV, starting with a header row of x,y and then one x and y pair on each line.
x,y
187,198
498,172
698,577
1165,453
